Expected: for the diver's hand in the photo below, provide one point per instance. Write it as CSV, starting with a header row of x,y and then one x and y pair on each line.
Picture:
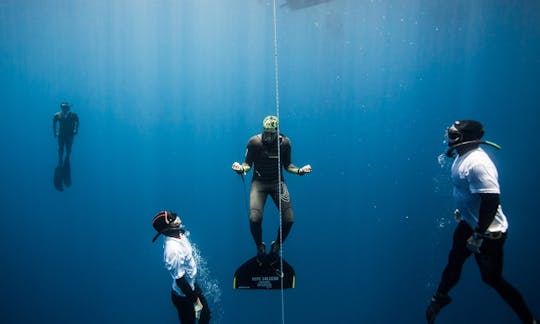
x,y
475,242
239,168
55,135
75,132
197,306
305,169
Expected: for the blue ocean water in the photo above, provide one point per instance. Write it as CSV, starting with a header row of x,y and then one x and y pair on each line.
x,y
168,93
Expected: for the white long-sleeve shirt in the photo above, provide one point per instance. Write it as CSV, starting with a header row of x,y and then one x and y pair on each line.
x,y
472,174
179,261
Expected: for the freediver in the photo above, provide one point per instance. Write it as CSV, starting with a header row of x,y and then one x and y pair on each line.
x,y
179,260
68,122
482,225
301,4
262,153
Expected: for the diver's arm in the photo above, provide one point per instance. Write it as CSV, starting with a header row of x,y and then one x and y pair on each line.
x,y
186,289
54,121
75,124
291,168
191,295
248,158
287,161
489,204
300,171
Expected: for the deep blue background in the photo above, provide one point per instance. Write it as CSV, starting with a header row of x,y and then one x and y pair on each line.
x,y
169,92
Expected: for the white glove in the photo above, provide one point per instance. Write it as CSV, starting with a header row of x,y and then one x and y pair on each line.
x,y
239,168
457,215
475,242
198,306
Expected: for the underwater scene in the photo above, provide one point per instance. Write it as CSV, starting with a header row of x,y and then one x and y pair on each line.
x,y
164,96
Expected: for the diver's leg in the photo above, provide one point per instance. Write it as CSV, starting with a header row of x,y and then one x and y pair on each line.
x,y
287,214
186,313
257,199
287,220
452,272
490,262
69,143
61,144
456,258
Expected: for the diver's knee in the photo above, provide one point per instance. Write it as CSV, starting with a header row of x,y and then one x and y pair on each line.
x,y
255,216
491,280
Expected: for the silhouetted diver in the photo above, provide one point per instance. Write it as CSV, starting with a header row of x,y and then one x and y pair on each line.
x,y
301,4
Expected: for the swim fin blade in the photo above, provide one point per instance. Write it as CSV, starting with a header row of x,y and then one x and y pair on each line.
x,y
58,178
66,174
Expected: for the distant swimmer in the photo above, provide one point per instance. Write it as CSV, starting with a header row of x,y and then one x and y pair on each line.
x,y
482,225
179,260
262,155
301,4
65,127
68,126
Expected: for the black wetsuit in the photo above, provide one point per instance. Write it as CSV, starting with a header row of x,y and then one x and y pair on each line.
x,y
68,127
490,263
263,158
476,174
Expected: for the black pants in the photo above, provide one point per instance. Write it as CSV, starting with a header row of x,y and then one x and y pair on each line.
x,y
490,262
257,198
186,313
64,141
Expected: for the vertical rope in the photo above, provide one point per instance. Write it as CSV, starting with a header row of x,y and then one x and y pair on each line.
x,y
276,76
